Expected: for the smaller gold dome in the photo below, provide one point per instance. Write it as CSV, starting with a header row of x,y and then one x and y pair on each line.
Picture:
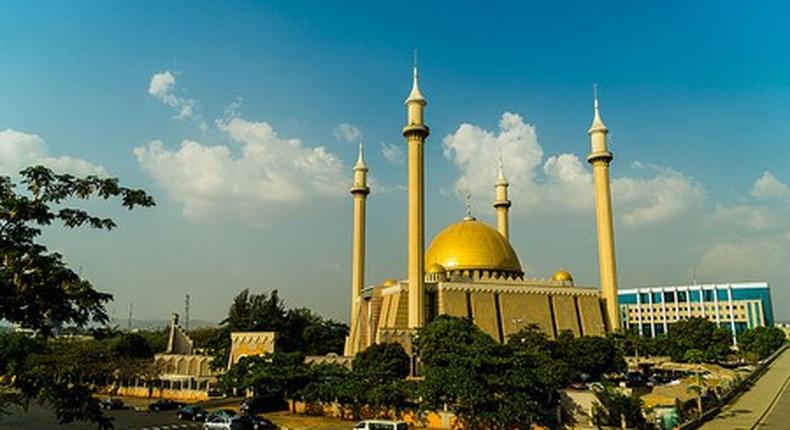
x,y
435,268
390,282
562,276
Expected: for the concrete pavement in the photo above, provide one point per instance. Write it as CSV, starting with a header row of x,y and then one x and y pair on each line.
x,y
765,405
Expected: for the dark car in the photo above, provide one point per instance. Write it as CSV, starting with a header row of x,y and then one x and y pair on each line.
x,y
111,404
164,405
194,413
261,423
259,404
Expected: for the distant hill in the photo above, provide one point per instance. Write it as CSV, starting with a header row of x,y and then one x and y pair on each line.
x,y
159,323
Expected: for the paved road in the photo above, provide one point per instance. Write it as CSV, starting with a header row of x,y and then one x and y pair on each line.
x,y
41,418
766,405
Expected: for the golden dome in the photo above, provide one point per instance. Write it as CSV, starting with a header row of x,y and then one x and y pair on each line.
x,y
472,245
562,276
390,282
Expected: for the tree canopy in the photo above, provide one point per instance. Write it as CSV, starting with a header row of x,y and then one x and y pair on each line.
x,y
298,330
761,341
486,384
39,291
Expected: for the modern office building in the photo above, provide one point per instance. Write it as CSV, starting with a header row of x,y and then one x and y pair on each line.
x,y
650,311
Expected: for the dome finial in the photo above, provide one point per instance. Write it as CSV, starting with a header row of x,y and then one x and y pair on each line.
x,y
469,205
597,123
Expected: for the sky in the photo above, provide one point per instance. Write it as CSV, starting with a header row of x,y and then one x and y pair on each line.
x,y
242,119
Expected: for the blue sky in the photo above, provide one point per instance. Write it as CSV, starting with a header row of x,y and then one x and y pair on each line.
x,y
696,98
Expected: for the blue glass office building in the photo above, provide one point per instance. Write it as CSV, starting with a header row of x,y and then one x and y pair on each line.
x,y
650,311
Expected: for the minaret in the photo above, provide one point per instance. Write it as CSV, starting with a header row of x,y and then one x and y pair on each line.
x,y
502,204
415,133
600,158
360,192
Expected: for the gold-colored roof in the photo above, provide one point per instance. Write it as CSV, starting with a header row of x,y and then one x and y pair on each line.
x,y
472,245
389,282
562,276
435,268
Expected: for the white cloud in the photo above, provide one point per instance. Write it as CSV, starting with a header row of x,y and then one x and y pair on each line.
x,y
347,132
564,183
663,196
749,259
751,217
768,187
393,153
19,150
163,88
265,173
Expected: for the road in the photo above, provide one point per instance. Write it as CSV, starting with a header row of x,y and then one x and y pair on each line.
x,y
39,417
766,405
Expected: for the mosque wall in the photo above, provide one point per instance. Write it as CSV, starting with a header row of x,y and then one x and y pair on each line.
x,y
484,313
591,316
565,314
453,303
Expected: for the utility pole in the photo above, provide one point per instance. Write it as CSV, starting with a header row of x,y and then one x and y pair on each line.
x,y
186,312
129,321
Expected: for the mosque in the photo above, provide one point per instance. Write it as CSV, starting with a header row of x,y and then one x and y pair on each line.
x,y
470,269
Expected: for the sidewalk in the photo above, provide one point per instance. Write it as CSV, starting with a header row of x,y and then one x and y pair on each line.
x,y
749,408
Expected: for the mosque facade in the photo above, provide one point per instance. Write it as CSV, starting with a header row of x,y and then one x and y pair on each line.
x,y
470,269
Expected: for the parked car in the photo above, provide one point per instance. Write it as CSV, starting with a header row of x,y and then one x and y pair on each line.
x,y
194,413
259,404
228,420
111,404
381,425
164,405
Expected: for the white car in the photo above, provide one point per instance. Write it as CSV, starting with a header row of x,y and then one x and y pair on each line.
x,y
381,425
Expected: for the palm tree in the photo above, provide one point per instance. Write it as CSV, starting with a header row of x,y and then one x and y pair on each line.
x,y
697,390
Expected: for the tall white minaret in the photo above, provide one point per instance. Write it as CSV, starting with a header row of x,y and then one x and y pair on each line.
x,y
415,133
600,157
360,192
502,203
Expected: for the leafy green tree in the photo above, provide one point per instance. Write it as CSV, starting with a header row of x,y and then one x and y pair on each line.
x,y
761,341
698,333
486,384
617,409
39,291
544,353
277,376
383,362
694,356
298,330
130,345
593,356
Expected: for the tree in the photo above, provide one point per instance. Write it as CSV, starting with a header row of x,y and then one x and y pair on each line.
x,y
39,291
277,376
762,341
617,409
298,330
697,333
486,384
130,345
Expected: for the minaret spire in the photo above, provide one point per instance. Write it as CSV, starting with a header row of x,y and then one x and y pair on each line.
x,y
597,123
599,158
502,202
360,161
415,133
